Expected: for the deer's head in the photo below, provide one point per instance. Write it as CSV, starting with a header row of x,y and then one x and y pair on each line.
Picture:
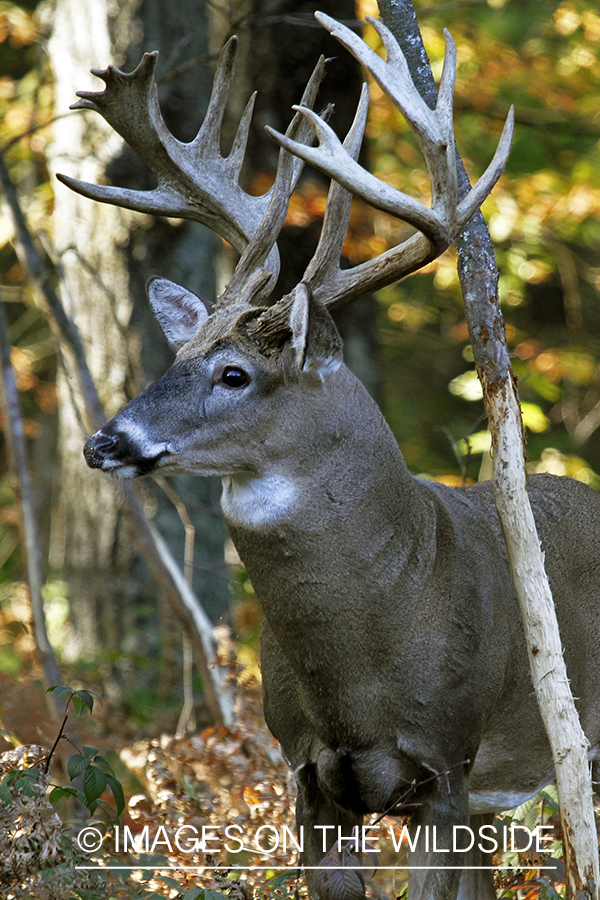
x,y
209,413
247,365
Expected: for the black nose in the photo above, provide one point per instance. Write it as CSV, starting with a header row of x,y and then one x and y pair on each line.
x,y
99,448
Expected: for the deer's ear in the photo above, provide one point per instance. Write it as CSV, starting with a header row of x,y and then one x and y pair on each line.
x,y
315,339
179,312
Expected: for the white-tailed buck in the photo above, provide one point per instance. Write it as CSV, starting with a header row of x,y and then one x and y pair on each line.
x,y
394,665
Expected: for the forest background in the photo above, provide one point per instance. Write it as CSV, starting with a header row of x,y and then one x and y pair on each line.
x,y
111,628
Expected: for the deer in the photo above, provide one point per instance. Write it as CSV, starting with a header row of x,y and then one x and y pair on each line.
x,y
394,667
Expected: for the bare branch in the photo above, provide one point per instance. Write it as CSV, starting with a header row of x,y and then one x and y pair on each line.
x,y
18,451
478,275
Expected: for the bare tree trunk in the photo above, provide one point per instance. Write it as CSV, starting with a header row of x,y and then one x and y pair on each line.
x,y
87,536
479,281
105,256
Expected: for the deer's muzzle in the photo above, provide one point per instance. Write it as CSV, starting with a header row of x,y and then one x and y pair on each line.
x,y
99,449
116,451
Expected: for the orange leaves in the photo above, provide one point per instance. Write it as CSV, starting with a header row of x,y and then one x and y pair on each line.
x,y
251,798
307,204
16,25
205,784
555,364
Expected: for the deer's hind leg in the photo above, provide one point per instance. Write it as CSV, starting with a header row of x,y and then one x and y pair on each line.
x,y
316,813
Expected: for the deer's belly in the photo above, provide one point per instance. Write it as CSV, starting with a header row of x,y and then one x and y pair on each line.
x,y
507,773
497,801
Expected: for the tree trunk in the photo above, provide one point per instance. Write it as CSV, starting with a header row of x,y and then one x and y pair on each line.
x,y
87,534
106,256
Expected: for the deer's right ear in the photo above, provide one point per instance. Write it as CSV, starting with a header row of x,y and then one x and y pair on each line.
x,y
179,312
315,338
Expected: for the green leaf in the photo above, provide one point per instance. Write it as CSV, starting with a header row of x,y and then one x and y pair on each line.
x,y
83,703
23,780
76,765
85,894
117,792
61,691
170,882
90,752
193,894
81,797
58,793
107,807
94,783
5,793
101,761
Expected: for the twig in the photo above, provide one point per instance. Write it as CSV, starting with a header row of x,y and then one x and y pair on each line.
x,y
19,137
18,452
187,712
58,737
399,803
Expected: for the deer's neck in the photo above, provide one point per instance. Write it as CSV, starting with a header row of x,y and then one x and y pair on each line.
x,y
329,526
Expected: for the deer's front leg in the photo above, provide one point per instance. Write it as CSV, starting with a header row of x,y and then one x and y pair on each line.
x,y
477,881
430,874
316,813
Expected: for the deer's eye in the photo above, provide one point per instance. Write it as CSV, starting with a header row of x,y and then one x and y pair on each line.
x,y
234,377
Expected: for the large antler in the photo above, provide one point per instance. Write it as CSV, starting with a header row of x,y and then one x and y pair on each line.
x,y
439,224
194,180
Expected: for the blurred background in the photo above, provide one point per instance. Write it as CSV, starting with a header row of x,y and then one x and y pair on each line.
x,y
108,623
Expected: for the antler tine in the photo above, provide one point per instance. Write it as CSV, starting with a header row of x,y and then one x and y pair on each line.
x,y
330,157
247,285
210,195
194,180
208,138
325,264
433,129
484,185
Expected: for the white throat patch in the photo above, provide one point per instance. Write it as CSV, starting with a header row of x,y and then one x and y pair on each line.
x,y
252,501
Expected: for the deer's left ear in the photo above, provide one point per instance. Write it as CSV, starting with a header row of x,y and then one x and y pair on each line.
x,y
315,339
180,313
